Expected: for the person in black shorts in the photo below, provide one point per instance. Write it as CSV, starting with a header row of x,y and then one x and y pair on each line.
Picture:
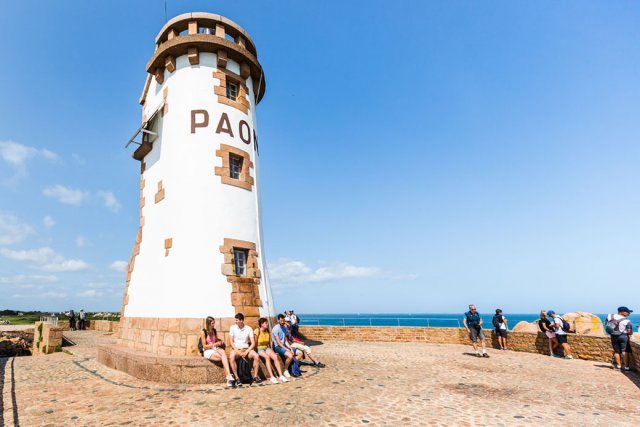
x,y
473,324
500,327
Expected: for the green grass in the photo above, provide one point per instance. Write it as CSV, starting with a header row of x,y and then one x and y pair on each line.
x,y
27,319
31,318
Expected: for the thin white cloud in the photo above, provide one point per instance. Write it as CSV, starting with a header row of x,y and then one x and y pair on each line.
x,y
110,201
12,230
66,195
290,273
45,259
91,293
28,279
81,242
16,155
119,266
42,295
48,222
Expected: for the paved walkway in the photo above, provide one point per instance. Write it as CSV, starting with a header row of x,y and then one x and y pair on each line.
x,y
362,384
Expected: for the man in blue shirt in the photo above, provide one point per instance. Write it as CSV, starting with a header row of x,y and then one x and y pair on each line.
x,y
473,324
280,346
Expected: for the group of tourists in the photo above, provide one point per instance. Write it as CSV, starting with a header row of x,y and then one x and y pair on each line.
x,y
556,329
280,349
77,321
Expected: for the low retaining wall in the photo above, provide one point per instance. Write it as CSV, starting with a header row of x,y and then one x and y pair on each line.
x,y
47,338
582,346
166,369
98,325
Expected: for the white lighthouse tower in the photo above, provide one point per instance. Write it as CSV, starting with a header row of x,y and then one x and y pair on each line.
x,y
198,251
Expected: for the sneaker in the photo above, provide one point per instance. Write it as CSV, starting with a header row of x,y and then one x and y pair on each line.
x,y
257,380
283,379
320,365
568,357
626,369
273,380
287,374
478,354
231,381
485,354
618,367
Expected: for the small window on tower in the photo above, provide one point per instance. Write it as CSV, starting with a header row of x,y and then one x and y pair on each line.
x,y
232,91
240,261
235,166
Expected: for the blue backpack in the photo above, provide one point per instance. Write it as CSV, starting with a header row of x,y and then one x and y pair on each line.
x,y
294,368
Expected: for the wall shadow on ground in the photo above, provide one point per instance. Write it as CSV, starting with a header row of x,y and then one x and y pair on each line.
x,y
4,361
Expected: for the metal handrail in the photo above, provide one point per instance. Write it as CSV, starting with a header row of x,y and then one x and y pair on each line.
x,y
397,320
50,320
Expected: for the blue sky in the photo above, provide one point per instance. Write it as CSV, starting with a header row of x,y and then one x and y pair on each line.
x,y
416,156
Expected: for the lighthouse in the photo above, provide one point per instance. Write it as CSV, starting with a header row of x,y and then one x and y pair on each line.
x,y
198,251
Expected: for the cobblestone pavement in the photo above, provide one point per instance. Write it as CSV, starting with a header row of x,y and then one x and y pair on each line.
x,y
363,383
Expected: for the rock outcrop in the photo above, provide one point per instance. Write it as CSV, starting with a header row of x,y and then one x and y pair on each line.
x,y
585,323
526,327
15,344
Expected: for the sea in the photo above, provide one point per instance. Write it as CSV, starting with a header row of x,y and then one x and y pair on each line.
x,y
435,320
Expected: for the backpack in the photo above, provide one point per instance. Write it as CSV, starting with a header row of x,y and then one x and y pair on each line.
x,y
497,319
201,344
244,371
294,368
565,325
612,326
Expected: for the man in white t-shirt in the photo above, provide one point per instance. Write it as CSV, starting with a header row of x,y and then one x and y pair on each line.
x,y
294,324
242,342
561,334
620,336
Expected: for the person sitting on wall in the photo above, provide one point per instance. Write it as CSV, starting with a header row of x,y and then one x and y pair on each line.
x,y
243,343
279,339
546,327
500,326
302,350
561,334
473,324
213,349
263,340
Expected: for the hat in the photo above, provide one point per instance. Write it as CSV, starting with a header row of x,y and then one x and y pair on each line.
x,y
551,312
623,308
287,319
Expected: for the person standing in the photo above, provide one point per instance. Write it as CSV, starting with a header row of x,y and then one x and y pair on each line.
x,y
546,327
82,318
72,320
621,330
294,324
561,334
501,327
473,324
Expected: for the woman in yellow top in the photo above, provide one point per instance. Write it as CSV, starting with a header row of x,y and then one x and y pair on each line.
x,y
263,342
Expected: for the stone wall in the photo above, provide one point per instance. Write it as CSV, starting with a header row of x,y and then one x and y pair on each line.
x,y
105,326
47,339
582,346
